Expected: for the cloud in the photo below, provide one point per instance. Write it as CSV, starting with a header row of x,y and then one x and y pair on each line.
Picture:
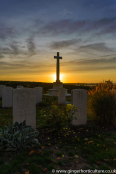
x,y
90,64
7,31
61,27
64,44
31,45
16,49
93,68
101,26
91,61
6,50
12,48
99,47
1,56
23,66
101,61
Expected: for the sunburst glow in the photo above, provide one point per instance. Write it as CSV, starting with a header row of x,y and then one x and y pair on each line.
x,y
61,77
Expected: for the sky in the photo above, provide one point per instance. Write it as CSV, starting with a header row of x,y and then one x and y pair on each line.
x,y
82,31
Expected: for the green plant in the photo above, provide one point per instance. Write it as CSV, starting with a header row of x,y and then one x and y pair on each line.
x,y
58,118
103,103
48,100
17,136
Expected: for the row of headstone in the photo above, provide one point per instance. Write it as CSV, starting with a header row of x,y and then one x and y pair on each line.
x,y
24,105
7,98
24,102
2,86
7,95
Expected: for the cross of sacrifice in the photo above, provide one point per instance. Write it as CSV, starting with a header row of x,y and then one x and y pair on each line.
x,y
57,67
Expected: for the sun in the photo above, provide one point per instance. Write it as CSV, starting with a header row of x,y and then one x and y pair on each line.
x,y
61,77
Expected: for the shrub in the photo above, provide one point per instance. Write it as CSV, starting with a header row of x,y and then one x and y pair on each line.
x,y
59,117
103,104
17,136
48,100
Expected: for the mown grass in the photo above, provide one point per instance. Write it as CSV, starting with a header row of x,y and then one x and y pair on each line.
x,y
83,147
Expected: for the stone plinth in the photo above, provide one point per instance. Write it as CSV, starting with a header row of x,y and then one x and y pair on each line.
x,y
57,85
54,92
79,99
7,97
24,106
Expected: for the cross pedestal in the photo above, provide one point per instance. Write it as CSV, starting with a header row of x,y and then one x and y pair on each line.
x,y
57,85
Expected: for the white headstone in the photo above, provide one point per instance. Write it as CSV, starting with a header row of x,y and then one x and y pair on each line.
x,y
7,96
19,86
1,86
79,99
39,93
24,106
61,95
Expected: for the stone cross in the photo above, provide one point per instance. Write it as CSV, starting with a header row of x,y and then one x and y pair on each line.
x,y
57,67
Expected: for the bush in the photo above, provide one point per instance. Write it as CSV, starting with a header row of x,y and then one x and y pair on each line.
x,y
48,100
17,136
103,104
59,117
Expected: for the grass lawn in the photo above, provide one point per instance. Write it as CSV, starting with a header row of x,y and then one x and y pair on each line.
x,y
81,147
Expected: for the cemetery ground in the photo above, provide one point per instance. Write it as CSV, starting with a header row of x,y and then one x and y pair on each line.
x,y
79,147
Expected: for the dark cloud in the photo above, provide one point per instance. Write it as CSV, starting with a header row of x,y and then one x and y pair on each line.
x,y
31,45
5,50
101,61
99,47
90,64
11,49
7,31
23,66
101,26
61,27
15,49
93,68
1,56
91,61
64,44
